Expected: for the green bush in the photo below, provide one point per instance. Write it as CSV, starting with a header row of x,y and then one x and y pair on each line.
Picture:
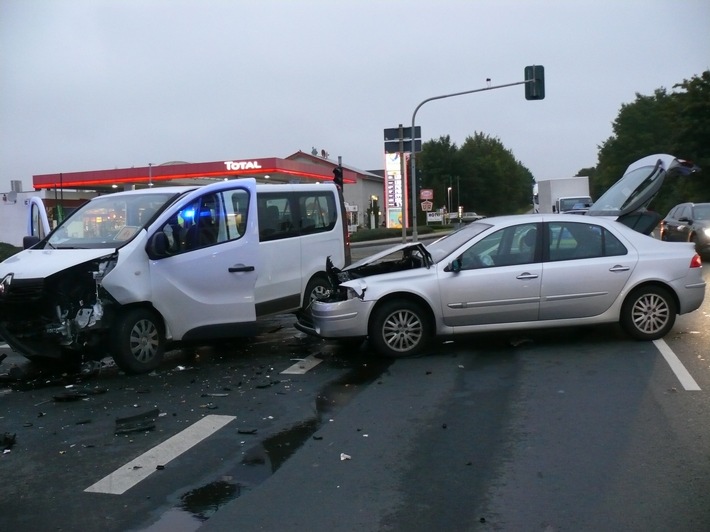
x,y
7,250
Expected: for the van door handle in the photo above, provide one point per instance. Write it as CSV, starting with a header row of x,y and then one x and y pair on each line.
x,y
240,268
619,268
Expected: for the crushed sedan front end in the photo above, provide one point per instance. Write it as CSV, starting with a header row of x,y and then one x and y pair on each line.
x,y
345,311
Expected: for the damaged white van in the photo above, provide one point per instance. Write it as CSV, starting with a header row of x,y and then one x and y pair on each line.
x,y
130,272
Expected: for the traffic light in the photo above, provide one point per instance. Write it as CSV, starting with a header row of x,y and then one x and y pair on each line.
x,y
338,176
535,90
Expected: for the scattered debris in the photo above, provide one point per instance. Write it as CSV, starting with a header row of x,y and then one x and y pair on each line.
x,y
67,397
8,440
137,423
246,431
268,384
344,456
517,342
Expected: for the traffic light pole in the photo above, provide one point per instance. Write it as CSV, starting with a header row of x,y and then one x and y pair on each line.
x,y
413,164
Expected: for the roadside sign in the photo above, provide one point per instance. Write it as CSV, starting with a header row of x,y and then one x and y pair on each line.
x,y
392,133
392,146
426,194
427,206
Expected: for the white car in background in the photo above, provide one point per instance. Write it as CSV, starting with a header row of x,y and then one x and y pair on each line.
x,y
523,272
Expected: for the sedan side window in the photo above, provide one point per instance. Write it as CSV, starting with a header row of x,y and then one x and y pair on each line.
x,y
571,240
510,246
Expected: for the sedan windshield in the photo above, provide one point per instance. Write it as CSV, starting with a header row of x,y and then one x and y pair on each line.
x,y
108,221
443,247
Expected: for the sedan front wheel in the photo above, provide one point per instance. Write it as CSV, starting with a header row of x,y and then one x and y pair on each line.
x,y
399,329
648,313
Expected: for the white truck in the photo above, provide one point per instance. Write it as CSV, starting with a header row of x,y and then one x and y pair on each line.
x,y
566,194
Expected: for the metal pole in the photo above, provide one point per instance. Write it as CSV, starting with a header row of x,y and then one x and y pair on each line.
x,y
413,165
404,184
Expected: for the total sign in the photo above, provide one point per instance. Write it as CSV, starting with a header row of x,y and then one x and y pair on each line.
x,y
242,165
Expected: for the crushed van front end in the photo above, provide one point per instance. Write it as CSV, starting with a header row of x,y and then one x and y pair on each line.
x,y
64,314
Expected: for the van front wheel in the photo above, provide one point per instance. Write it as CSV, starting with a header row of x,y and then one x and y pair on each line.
x,y
138,341
317,288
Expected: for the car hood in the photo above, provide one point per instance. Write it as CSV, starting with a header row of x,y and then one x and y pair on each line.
x,y
41,263
382,254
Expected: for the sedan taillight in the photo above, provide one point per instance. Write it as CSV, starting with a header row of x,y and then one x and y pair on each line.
x,y
696,262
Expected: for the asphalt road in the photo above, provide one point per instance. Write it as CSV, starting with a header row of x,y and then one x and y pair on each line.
x,y
576,429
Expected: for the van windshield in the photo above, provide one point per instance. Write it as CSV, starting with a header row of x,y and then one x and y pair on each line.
x,y
109,221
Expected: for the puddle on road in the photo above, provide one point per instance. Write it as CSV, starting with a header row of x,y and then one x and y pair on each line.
x,y
264,459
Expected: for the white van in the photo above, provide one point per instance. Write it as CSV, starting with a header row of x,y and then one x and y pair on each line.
x,y
129,272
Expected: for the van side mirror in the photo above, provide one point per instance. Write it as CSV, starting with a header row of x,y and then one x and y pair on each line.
x,y
157,247
29,241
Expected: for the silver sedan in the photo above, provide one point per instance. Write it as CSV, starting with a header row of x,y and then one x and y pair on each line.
x,y
512,273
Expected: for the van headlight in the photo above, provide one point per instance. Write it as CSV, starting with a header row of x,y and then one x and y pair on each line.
x,y
5,285
707,232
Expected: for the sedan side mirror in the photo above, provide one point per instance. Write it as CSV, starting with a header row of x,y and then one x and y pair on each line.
x,y
454,266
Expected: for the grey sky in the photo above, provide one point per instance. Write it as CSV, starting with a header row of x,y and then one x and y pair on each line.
x,y
98,84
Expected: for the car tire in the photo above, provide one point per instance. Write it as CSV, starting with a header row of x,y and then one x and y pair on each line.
x,y
399,329
138,341
648,313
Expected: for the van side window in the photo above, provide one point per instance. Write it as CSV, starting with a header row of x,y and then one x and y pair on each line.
x,y
291,214
237,206
318,212
210,219
275,220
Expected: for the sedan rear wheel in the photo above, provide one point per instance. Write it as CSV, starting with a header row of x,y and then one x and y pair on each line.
x,y
138,341
648,313
399,328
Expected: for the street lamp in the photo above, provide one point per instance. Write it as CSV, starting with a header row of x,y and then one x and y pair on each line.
x,y
539,94
448,195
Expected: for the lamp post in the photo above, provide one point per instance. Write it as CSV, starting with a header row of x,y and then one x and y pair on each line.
x,y
448,195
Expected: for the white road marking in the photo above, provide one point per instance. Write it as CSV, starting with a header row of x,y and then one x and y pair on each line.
x,y
677,366
302,366
145,465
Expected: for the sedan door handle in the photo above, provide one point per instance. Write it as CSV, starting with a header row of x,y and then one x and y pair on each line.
x,y
619,268
527,275
240,268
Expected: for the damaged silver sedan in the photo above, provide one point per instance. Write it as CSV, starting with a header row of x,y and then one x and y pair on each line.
x,y
522,272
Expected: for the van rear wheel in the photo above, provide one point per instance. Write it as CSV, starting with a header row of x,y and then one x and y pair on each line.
x,y
138,341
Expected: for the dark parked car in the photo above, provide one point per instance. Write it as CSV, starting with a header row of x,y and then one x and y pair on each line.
x,y
689,222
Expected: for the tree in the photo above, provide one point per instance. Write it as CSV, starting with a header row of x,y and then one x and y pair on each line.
x,y
485,176
677,123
